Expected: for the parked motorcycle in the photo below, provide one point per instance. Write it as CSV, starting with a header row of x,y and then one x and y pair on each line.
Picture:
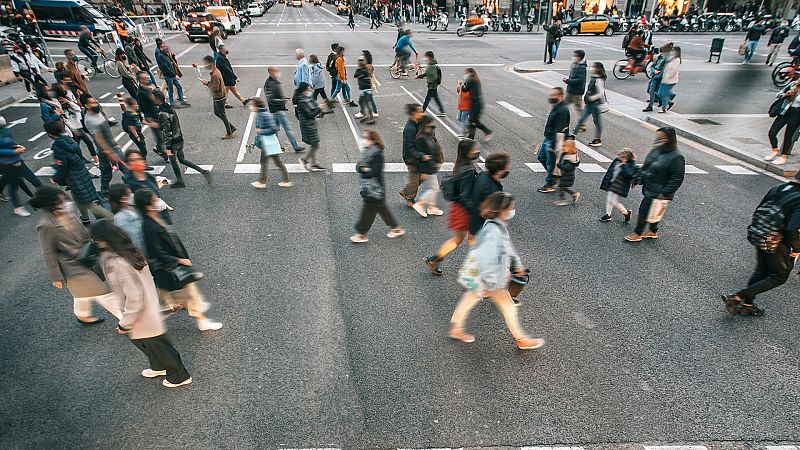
x,y
440,23
477,30
505,23
516,22
493,22
531,19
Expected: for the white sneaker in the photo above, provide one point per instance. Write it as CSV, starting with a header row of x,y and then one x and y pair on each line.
x,y
170,385
420,209
779,161
358,115
772,156
150,373
208,325
258,185
285,184
359,238
395,232
434,211
32,95
374,115
21,211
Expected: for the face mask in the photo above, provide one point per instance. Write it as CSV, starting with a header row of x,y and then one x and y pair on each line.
x,y
511,214
94,109
552,100
126,200
308,93
65,207
362,143
466,77
277,75
159,205
2,122
75,58
137,166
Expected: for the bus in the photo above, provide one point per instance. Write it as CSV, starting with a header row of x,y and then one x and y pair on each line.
x,y
63,18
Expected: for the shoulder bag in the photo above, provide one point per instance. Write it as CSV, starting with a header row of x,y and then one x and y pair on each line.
x,y
775,108
182,275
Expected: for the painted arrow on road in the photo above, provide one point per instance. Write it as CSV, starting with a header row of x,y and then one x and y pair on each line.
x,y
17,122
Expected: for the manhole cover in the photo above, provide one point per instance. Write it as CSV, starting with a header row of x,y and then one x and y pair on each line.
x,y
746,140
705,122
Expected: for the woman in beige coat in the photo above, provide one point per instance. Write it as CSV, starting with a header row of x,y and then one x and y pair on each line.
x,y
63,237
128,274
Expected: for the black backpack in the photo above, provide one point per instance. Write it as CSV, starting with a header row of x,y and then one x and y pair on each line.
x,y
766,228
625,41
449,188
438,76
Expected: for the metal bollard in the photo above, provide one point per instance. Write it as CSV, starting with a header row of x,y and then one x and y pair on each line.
x,y
121,102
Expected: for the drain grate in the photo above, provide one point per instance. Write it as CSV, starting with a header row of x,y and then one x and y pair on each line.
x,y
705,122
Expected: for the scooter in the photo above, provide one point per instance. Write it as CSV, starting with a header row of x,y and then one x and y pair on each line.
x,y
531,19
493,22
440,22
516,23
505,23
477,30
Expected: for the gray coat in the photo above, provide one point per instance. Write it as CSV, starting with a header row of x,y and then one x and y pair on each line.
x,y
138,295
308,111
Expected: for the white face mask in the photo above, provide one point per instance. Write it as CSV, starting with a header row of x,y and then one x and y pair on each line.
x,y
362,143
511,214
2,122
65,207
159,205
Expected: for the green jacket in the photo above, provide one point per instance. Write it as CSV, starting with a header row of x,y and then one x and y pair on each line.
x,y
431,74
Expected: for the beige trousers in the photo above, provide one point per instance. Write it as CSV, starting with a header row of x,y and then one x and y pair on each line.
x,y
82,307
189,297
501,299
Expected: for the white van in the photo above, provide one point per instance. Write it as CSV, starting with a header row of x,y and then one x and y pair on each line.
x,y
255,9
228,17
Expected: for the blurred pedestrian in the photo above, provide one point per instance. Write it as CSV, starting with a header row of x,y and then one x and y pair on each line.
x,y
557,123
266,142
776,38
229,78
595,98
488,269
433,78
120,197
128,274
657,74
617,183
787,116
308,110
13,168
350,20
552,41
172,269
411,157
127,74
498,166
137,178
568,161
277,105
576,82
170,126
216,88
330,66
428,166
472,84
754,34
464,107
145,61
341,78
671,70
317,78
364,76
109,153
302,73
168,70
63,240
373,189
149,110
132,125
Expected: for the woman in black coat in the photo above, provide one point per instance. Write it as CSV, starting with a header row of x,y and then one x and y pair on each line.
x,y
373,189
428,166
617,182
166,254
472,84
308,110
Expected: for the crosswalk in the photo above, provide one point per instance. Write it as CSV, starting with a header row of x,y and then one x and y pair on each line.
x,y
606,446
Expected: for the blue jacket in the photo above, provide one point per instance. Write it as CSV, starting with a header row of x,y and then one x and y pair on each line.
x,y
165,64
302,73
71,170
404,42
265,123
317,76
8,154
48,112
621,185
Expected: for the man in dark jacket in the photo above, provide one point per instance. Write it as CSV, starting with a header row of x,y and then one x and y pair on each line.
x,y
277,105
229,78
557,122
779,34
552,41
576,83
173,140
167,69
71,171
772,269
330,66
410,154
498,166
660,176
751,40
149,110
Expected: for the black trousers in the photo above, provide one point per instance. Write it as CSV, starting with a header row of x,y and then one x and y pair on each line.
x,y
219,111
641,219
163,356
14,176
130,86
475,121
320,92
140,144
432,94
178,156
772,270
82,136
790,120
368,213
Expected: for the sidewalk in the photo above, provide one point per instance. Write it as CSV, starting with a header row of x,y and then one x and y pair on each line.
x,y
743,136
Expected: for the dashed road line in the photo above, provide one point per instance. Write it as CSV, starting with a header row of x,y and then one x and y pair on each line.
x,y
513,109
438,119
595,155
247,129
104,95
736,170
37,136
692,169
119,136
591,168
675,447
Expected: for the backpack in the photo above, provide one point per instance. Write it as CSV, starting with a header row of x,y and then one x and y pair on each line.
x,y
449,187
625,41
766,228
438,76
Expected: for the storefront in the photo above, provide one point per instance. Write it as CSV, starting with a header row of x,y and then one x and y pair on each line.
x,y
672,7
597,6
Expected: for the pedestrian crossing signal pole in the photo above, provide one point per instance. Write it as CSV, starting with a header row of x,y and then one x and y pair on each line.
x,y
47,55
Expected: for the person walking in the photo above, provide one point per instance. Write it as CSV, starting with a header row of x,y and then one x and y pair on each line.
x,y
751,39
557,122
487,270
120,198
464,107
462,206
498,166
217,89
364,76
126,73
657,74
229,78
661,176
472,84
617,183
138,178
169,258
21,70
375,84
109,153
576,82
149,111
166,67
128,274
13,168
267,142
318,78
144,60
788,116
302,73
330,67
373,189
433,78
411,157
132,126
215,41
73,116
36,66
774,232
594,98
277,105
776,38
78,80
62,239
350,20
170,126
308,110
427,145
671,70
552,41
341,77
567,163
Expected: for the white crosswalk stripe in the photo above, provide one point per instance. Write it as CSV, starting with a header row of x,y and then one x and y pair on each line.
x,y
552,448
692,169
190,171
591,168
675,447
514,109
736,170
536,167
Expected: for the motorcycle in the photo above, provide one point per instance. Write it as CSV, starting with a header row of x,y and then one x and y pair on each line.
x,y
505,23
244,17
516,23
531,19
440,22
477,29
493,22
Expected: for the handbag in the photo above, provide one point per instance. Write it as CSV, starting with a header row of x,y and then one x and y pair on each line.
x,y
743,48
469,277
657,210
602,107
371,190
269,145
518,282
775,108
182,275
88,254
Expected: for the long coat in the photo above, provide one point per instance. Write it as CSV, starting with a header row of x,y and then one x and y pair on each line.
x,y
308,111
71,170
163,248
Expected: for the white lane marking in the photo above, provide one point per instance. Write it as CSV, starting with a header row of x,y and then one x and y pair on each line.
x,y
185,51
42,154
590,152
36,105
36,136
190,171
692,169
104,95
247,129
45,171
262,66
119,87
438,119
347,116
281,17
782,447
388,167
126,146
551,448
256,168
334,15
119,136
591,168
736,170
675,447
583,42
157,170
513,109
14,123
536,167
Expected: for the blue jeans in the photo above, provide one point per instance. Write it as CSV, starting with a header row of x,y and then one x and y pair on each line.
x,y
548,159
652,88
463,119
334,86
90,53
152,78
591,109
342,87
751,49
282,121
665,94
170,82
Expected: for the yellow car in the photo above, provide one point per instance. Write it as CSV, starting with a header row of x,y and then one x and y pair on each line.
x,y
592,23
341,9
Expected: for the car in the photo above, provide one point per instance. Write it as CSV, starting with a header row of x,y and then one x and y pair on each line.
x,y
342,8
200,26
317,2
297,3
255,9
592,23
227,16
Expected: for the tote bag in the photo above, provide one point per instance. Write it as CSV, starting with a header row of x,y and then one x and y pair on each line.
x,y
269,145
657,210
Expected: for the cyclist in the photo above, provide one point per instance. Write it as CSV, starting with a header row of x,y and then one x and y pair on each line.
x,y
636,50
89,46
403,49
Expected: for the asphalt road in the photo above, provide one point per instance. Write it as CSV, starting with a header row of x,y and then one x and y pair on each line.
x,y
331,345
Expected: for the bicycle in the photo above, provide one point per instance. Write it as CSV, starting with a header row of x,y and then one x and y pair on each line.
x,y
623,69
396,71
785,73
109,67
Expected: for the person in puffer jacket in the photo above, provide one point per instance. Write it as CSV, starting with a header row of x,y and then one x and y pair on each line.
x,y
308,111
617,182
567,163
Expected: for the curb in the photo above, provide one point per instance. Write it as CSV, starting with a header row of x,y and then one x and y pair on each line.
x,y
783,171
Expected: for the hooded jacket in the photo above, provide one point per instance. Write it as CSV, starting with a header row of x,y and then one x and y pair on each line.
x,y
317,76
621,183
431,74
567,164
71,170
576,83
663,171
